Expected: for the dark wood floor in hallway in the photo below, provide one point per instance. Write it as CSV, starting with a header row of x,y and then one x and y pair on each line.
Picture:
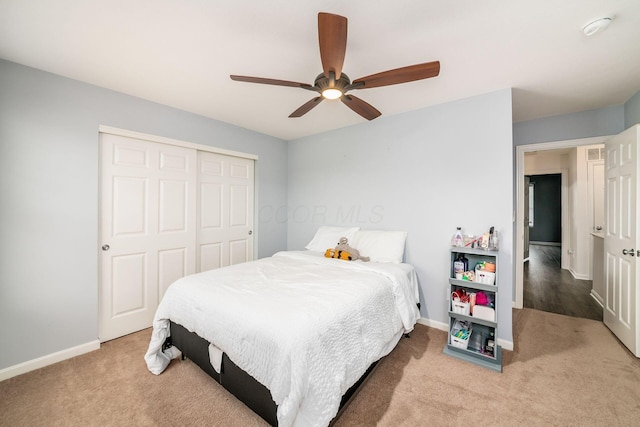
x,y
549,288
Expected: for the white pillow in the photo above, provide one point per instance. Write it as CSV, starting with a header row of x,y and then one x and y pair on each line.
x,y
380,245
327,237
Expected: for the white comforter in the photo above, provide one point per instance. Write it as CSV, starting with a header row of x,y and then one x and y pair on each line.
x,y
305,326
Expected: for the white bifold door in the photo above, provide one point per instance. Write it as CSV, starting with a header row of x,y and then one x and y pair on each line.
x,y
166,211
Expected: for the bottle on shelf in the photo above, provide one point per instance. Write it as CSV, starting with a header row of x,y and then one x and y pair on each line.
x,y
493,242
457,240
460,265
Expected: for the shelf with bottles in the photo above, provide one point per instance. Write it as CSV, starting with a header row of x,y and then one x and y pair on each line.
x,y
472,301
475,267
485,241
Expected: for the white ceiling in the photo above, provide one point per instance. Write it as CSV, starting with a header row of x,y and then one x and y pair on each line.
x,y
181,53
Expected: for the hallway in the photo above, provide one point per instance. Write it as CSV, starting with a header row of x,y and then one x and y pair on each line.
x,y
549,288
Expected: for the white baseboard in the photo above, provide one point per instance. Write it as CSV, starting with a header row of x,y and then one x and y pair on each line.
x,y
433,324
506,345
596,296
49,359
578,276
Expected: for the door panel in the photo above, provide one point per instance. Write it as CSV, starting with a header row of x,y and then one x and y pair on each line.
x,y
172,265
225,222
173,206
129,285
129,200
210,256
238,214
238,251
211,205
621,238
148,217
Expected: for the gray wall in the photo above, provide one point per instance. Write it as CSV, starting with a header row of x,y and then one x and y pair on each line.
x,y
425,172
49,199
601,122
632,111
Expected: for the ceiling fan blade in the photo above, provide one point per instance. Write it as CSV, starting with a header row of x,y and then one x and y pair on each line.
x,y
332,35
306,107
271,81
398,75
359,106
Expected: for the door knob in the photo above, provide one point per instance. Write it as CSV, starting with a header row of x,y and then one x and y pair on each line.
x,y
598,227
250,232
628,252
106,247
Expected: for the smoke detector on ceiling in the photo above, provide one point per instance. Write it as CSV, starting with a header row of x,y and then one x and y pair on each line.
x,y
596,26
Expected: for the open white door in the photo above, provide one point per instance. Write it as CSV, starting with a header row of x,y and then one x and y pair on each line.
x,y
621,250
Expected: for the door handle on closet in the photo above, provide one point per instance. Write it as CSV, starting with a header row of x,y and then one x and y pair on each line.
x,y
628,252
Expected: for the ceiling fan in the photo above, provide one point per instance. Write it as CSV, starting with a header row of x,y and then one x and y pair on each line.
x,y
332,83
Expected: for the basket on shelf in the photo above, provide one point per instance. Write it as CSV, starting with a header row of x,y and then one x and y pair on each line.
x,y
461,307
485,277
460,334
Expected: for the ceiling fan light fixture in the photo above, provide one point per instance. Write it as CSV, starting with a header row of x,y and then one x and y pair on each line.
x,y
331,93
333,84
596,26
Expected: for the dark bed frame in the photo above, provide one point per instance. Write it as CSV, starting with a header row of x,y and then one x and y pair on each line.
x,y
242,385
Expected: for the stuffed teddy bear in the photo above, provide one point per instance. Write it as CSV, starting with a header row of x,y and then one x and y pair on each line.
x,y
343,246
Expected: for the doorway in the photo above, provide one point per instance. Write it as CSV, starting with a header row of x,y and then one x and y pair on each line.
x,y
545,209
547,264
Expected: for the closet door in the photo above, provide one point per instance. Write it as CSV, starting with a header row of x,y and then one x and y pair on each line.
x,y
225,210
148,228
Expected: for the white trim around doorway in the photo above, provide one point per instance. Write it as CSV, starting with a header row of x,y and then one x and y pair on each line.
x,y
519,240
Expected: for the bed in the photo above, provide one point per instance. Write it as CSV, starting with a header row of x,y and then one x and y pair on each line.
x,y
291,335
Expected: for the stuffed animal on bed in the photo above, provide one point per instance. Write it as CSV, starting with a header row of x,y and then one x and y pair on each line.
x,y
344,251
332,253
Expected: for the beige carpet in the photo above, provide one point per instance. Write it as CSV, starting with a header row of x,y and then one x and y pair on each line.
x,y
564,371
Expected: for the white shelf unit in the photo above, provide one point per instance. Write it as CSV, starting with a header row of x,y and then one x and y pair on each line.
x,y
475,351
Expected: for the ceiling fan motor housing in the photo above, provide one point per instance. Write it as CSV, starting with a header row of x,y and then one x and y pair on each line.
x,y
323,82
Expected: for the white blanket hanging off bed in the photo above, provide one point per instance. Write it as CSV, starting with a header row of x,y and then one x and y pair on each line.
x,y
305,326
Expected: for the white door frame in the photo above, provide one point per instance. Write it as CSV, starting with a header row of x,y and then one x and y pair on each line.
x,y
519,239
